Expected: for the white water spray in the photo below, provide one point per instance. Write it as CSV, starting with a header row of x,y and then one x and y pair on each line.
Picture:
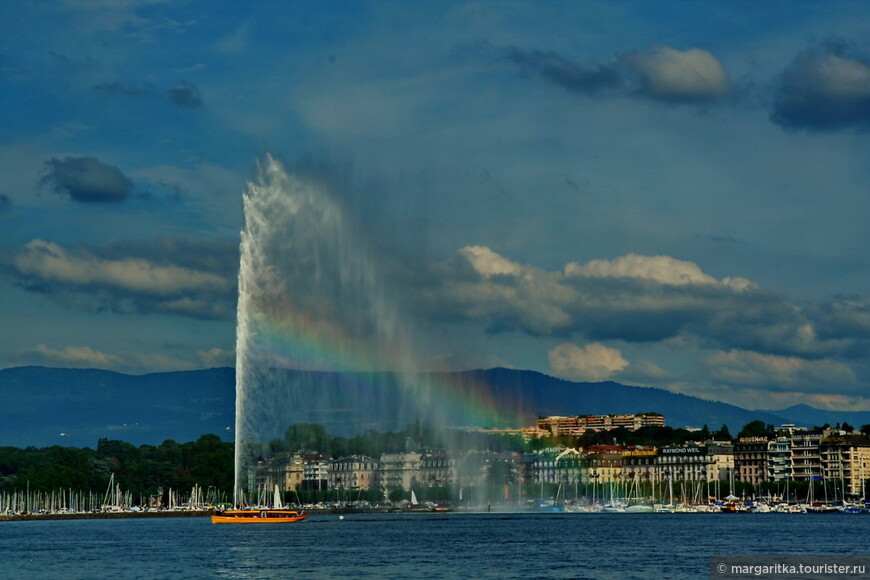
x,y
312,300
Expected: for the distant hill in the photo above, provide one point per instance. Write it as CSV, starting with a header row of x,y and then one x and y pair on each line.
x,y
810,416
40,404
551,396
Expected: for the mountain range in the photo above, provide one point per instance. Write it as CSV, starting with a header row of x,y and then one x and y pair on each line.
x,y
75,407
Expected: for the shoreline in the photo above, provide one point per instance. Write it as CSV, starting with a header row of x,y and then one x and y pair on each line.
x,y
188,514
107,515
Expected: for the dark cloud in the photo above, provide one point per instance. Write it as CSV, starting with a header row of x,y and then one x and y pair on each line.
x,y
186,95
595,79
126,90
824,89
87,179
165,275
846,317
58,56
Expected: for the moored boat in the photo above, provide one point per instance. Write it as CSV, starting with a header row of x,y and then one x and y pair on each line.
x,y
267,516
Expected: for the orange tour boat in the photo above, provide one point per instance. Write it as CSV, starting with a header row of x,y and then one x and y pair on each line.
x,y
266,516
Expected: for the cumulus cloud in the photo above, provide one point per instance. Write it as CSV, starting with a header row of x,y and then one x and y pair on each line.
x,y
754,369
670,75
87,180
488,263
661,269
824,89
632,298
165,275
593,362
662,74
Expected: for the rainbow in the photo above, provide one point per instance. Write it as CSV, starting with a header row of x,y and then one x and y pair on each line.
x,y
296,341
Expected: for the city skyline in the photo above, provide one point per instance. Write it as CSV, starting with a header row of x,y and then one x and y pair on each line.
x,y
671,196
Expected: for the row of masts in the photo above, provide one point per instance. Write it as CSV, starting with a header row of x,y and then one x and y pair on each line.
x,y
68,500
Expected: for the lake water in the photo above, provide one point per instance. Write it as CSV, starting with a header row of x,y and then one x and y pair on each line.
x,y
453,545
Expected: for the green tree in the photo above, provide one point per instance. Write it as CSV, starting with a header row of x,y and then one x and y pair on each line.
x,y
307,436
755,429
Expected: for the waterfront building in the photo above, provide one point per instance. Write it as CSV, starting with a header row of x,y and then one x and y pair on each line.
x,y
639,466
720,460
315,471
357,472
540,467
779,459
437,469
806,460
750,459
709,462
846,458
400,470
682,463
569,467
603,464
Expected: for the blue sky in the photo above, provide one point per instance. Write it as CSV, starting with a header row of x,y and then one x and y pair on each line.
x,y
672,194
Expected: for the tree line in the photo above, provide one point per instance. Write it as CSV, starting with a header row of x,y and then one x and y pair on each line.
x,y
143,471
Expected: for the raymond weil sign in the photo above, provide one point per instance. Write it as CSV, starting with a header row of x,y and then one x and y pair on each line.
x,y
680,451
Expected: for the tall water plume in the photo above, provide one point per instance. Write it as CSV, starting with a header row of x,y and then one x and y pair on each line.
x,y
312,302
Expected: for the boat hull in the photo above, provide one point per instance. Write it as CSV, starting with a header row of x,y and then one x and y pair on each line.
x,y
258,517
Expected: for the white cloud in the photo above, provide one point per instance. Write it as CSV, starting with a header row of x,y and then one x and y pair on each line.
x,y
488,263
661,269
673,75
51,262
73,356
593,362
127,362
